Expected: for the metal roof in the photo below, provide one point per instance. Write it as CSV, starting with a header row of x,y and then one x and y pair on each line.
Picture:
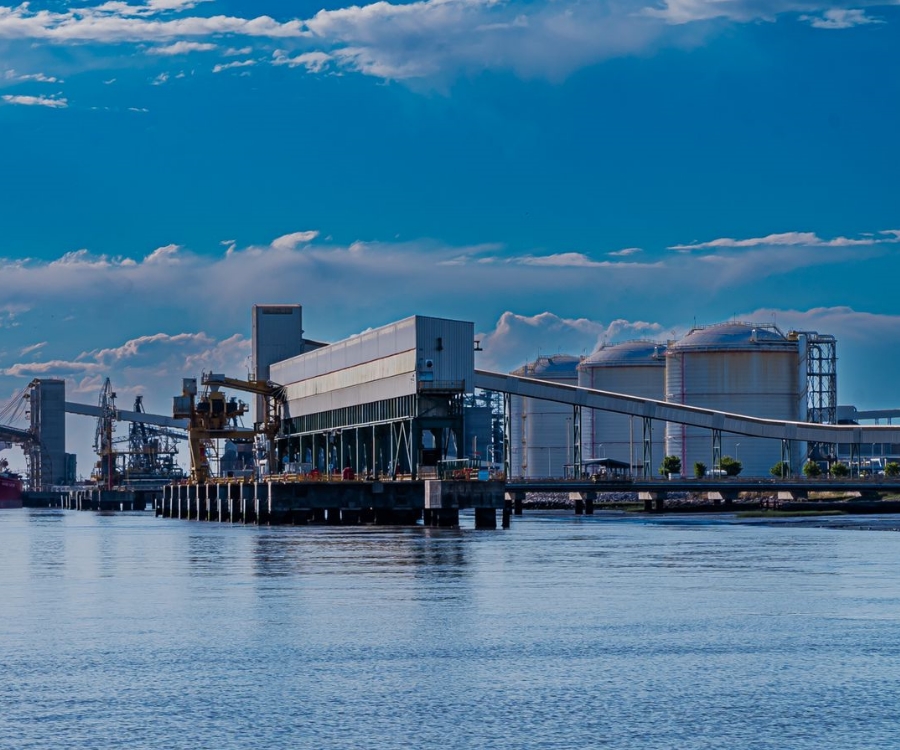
x,y
734,335
555,364
628,353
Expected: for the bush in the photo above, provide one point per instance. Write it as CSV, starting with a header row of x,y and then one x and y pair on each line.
x,y
811,469
840,470
670,465
731,466
782,470
699,470
892,469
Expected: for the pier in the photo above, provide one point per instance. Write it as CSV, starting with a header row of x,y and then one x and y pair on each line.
x,y
270,502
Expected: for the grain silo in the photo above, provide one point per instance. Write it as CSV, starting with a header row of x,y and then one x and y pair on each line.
x,y
637,368
541,431
733,367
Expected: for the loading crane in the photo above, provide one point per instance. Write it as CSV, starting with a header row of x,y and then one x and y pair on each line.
x,y
211,416
150,456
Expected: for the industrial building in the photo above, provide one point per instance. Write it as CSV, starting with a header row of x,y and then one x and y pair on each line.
x,y
387,402
542,434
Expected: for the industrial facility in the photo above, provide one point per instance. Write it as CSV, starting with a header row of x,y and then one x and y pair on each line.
x,y
734,367
405,402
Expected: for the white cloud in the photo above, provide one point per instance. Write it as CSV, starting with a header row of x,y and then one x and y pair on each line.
x,y
291,241
516,339
160,79
787,239
37,101
12,75
117,22
840,18
32,348
625,252
430,40
314,62
182,48
689,11
236,64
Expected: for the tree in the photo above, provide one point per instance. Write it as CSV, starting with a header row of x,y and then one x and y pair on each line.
x,y
892,469
731,466
782,470
699,469
811,469
670,465
840,470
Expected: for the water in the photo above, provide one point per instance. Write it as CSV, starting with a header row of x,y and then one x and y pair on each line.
x,y
130,631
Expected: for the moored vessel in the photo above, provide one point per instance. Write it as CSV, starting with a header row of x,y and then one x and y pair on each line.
x,y
10,488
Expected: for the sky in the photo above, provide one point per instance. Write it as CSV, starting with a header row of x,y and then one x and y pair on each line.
x,y
563,173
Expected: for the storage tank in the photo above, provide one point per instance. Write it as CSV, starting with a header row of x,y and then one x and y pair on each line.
x,y
734,367
541,431
637,368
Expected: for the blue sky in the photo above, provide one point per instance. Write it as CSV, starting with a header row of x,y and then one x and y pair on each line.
x,y
562,172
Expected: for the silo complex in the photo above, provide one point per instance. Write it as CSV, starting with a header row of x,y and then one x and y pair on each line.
x,y
733,367
541,431
637,368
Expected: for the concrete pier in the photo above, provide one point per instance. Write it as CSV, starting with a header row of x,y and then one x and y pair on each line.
x,y
653,500
271,502
106,500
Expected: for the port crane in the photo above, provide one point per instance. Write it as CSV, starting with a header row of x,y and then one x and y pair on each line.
x,y
213,416
151,449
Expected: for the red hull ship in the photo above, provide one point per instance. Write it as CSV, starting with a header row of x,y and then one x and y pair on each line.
x,y
10,490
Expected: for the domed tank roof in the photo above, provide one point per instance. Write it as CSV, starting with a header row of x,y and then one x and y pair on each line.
x,y
734,335
638,353
558,365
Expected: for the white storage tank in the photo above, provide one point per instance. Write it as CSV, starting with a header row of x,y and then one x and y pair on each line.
x,y
541,431
637,368
733,367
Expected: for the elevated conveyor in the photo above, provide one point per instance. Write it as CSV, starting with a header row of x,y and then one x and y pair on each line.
x,y
688,415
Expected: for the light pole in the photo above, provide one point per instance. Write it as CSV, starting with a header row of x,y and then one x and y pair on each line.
x,y
736,446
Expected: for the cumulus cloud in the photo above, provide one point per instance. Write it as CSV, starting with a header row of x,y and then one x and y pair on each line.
x,y
516,339
37,101
424,40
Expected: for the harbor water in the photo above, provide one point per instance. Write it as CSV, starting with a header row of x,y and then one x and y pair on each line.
x,y
614,630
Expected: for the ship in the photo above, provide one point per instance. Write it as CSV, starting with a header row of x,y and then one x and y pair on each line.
x,y
10,488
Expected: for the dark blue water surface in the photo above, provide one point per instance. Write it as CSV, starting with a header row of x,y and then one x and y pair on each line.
x,y
626,632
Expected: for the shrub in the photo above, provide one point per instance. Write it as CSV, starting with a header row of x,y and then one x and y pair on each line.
x,y
731,466
892,469
811,469
840,470
782,470
699,469
670,465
